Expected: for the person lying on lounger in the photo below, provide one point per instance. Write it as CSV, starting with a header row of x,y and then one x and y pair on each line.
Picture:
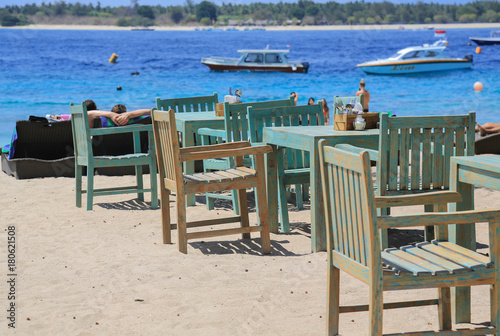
x,y
488,128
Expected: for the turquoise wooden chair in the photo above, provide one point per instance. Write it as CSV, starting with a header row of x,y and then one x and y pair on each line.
x,y
414,154
239,177
235,129
354,247
292,165
84,157
347,100
188,104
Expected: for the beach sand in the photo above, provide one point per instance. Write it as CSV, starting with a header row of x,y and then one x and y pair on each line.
x,y
273,28
106,272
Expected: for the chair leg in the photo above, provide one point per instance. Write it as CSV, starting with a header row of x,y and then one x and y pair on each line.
x,y
140,182
237,204
298,196
494,306
333,300
90,187
282,199
260,195
444,308
210,202
181,222
78,180
165,216
154,186
243,207
376,308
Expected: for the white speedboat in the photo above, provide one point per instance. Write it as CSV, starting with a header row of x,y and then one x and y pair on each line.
x,y
425,58
493,39
263,60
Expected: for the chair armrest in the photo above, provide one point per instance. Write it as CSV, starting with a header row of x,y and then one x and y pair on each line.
x,y
356,150
437,197
213,154
121,129
438,218
206,148
212,132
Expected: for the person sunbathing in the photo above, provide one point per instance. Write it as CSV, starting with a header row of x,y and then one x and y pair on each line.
x,y
488,128
118,114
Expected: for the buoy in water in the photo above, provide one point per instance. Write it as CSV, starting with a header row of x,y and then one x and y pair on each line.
x,y
113,58
478,86
478,50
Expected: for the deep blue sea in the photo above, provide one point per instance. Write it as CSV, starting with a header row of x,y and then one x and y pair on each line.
x,y
43,71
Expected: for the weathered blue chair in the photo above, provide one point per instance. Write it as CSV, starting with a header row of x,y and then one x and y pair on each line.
x,y
414,154
353,230
235,129
292,165
188,104
84,157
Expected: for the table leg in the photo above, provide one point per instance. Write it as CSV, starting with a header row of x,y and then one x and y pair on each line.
x,y
318,229
463,235
272,189
188,141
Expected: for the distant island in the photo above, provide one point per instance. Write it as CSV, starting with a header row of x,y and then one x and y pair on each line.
x,y
205,13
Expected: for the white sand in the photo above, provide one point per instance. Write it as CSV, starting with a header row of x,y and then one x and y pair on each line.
x,y
106,272
274,28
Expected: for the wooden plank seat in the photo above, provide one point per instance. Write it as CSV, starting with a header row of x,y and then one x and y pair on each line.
x,y
235,129
238,177
353,232
293,165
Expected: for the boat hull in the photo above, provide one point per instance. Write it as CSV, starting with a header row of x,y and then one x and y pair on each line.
x,y
226,67
485,40
403,68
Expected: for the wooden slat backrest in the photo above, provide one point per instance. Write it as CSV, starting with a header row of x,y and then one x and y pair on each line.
x,y
304,115
348,198
188,104
167,147
415,151
235,116
81,133
347,100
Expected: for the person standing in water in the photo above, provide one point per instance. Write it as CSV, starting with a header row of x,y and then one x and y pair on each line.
x,y
365,93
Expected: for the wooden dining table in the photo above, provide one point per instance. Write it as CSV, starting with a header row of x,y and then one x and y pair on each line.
x,y
188,125
306,138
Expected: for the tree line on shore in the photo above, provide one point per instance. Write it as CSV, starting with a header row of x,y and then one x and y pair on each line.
x,y
304,12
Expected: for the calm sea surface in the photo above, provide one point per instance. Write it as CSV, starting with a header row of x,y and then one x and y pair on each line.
x,y
43,71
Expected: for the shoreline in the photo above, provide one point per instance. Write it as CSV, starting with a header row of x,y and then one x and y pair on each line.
x,y
269,28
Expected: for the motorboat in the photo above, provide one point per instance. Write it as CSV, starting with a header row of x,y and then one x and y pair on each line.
x,y
259,60
493,39
425,58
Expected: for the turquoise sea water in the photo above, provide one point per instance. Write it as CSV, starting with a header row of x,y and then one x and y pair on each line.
x,y
43,71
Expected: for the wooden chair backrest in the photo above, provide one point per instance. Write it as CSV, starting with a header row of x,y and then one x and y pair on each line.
x,y
235,116
81,133
347,100
188,104
414,152
303,115
349,198
167,149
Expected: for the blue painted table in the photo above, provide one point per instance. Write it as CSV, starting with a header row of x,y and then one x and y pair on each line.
x,y
467,172
188,125
306,138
